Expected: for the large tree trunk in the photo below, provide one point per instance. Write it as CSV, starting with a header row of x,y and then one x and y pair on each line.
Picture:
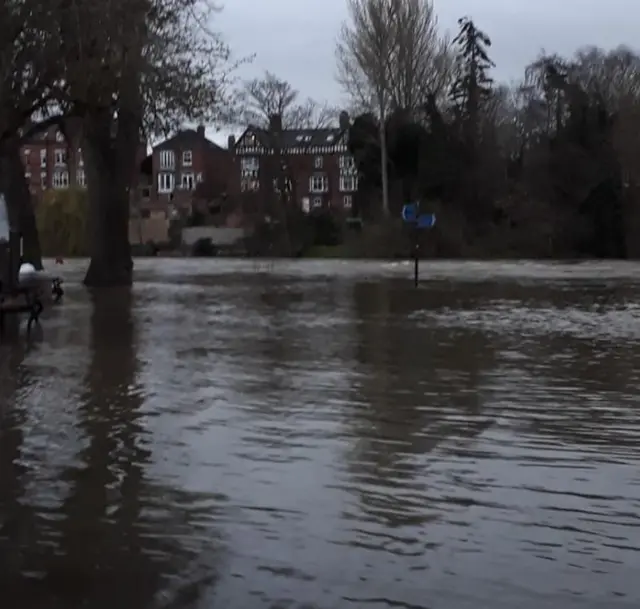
x,y
110,163
19,203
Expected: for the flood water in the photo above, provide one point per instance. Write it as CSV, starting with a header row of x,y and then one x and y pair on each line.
x,y
323,435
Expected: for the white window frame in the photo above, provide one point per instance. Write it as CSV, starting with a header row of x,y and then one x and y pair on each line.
x,y
188,181
59,136
44,181
347,201
250,163
167,159
187,158
249,185
60,180
348,183
199,177
80,158
81,178
317,162
319,183
317,202
60,157
27,176
166,182
347,161
43,157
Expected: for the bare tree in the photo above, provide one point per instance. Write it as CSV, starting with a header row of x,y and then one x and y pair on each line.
x,y
422,61
271,96
364,54
151,65
391,57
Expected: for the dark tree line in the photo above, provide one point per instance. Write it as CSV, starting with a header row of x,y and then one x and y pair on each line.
x,y
549,167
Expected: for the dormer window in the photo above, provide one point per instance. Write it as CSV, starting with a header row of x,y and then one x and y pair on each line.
x,y
187,158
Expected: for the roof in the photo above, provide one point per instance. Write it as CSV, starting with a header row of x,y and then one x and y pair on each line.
x,y
296,138
185,138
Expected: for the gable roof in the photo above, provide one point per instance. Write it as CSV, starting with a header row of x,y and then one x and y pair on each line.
x,y
293,138
185,138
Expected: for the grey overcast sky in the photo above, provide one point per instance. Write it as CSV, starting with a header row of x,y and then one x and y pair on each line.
x,y
295,39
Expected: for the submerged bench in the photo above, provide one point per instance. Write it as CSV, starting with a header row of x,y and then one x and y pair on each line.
x,y
20,300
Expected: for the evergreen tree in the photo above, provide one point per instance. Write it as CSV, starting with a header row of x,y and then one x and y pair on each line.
x,y
472,86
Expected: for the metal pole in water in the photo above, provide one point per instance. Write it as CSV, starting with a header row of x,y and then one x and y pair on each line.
x,y
416,260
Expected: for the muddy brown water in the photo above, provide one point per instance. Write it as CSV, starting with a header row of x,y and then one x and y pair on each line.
x,y
322,434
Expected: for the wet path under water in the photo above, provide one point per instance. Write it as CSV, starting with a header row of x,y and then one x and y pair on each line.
x,y
321,434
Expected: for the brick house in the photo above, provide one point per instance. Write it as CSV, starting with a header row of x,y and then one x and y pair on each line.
x,y
321,173
187,169
50,162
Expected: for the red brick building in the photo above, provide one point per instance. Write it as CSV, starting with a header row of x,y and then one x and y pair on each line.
x,y
320,169
188,168
50,162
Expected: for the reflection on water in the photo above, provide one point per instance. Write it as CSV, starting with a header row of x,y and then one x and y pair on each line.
x,y
324,435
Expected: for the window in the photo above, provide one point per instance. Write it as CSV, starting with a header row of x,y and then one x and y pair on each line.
x,y
167,159
27,176
199,177
188,181
59,136
44,183
80,158
249,185
61,179
43,158
348,183
27,155
81,179
317,202
250,163
60,157
319,183
187,158
347,202
166,182
317,162
347,162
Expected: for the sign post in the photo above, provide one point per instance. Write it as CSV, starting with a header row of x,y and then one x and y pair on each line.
x,y
412,216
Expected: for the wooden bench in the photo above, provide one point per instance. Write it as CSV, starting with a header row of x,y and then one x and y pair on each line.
x,y
20,300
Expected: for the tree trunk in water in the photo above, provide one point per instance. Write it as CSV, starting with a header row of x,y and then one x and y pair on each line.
x,y
19,203
110,163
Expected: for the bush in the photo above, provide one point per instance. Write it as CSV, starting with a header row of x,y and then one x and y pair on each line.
x,y
61,217
326,229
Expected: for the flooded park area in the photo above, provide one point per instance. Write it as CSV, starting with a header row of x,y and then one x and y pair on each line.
x,y
321,434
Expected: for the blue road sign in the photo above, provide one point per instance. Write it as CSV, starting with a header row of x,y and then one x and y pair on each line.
x,y
426,221
410,212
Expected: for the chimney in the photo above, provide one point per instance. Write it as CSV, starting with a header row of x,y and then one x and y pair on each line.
x,y
344,120
231,142
275,123
200,130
